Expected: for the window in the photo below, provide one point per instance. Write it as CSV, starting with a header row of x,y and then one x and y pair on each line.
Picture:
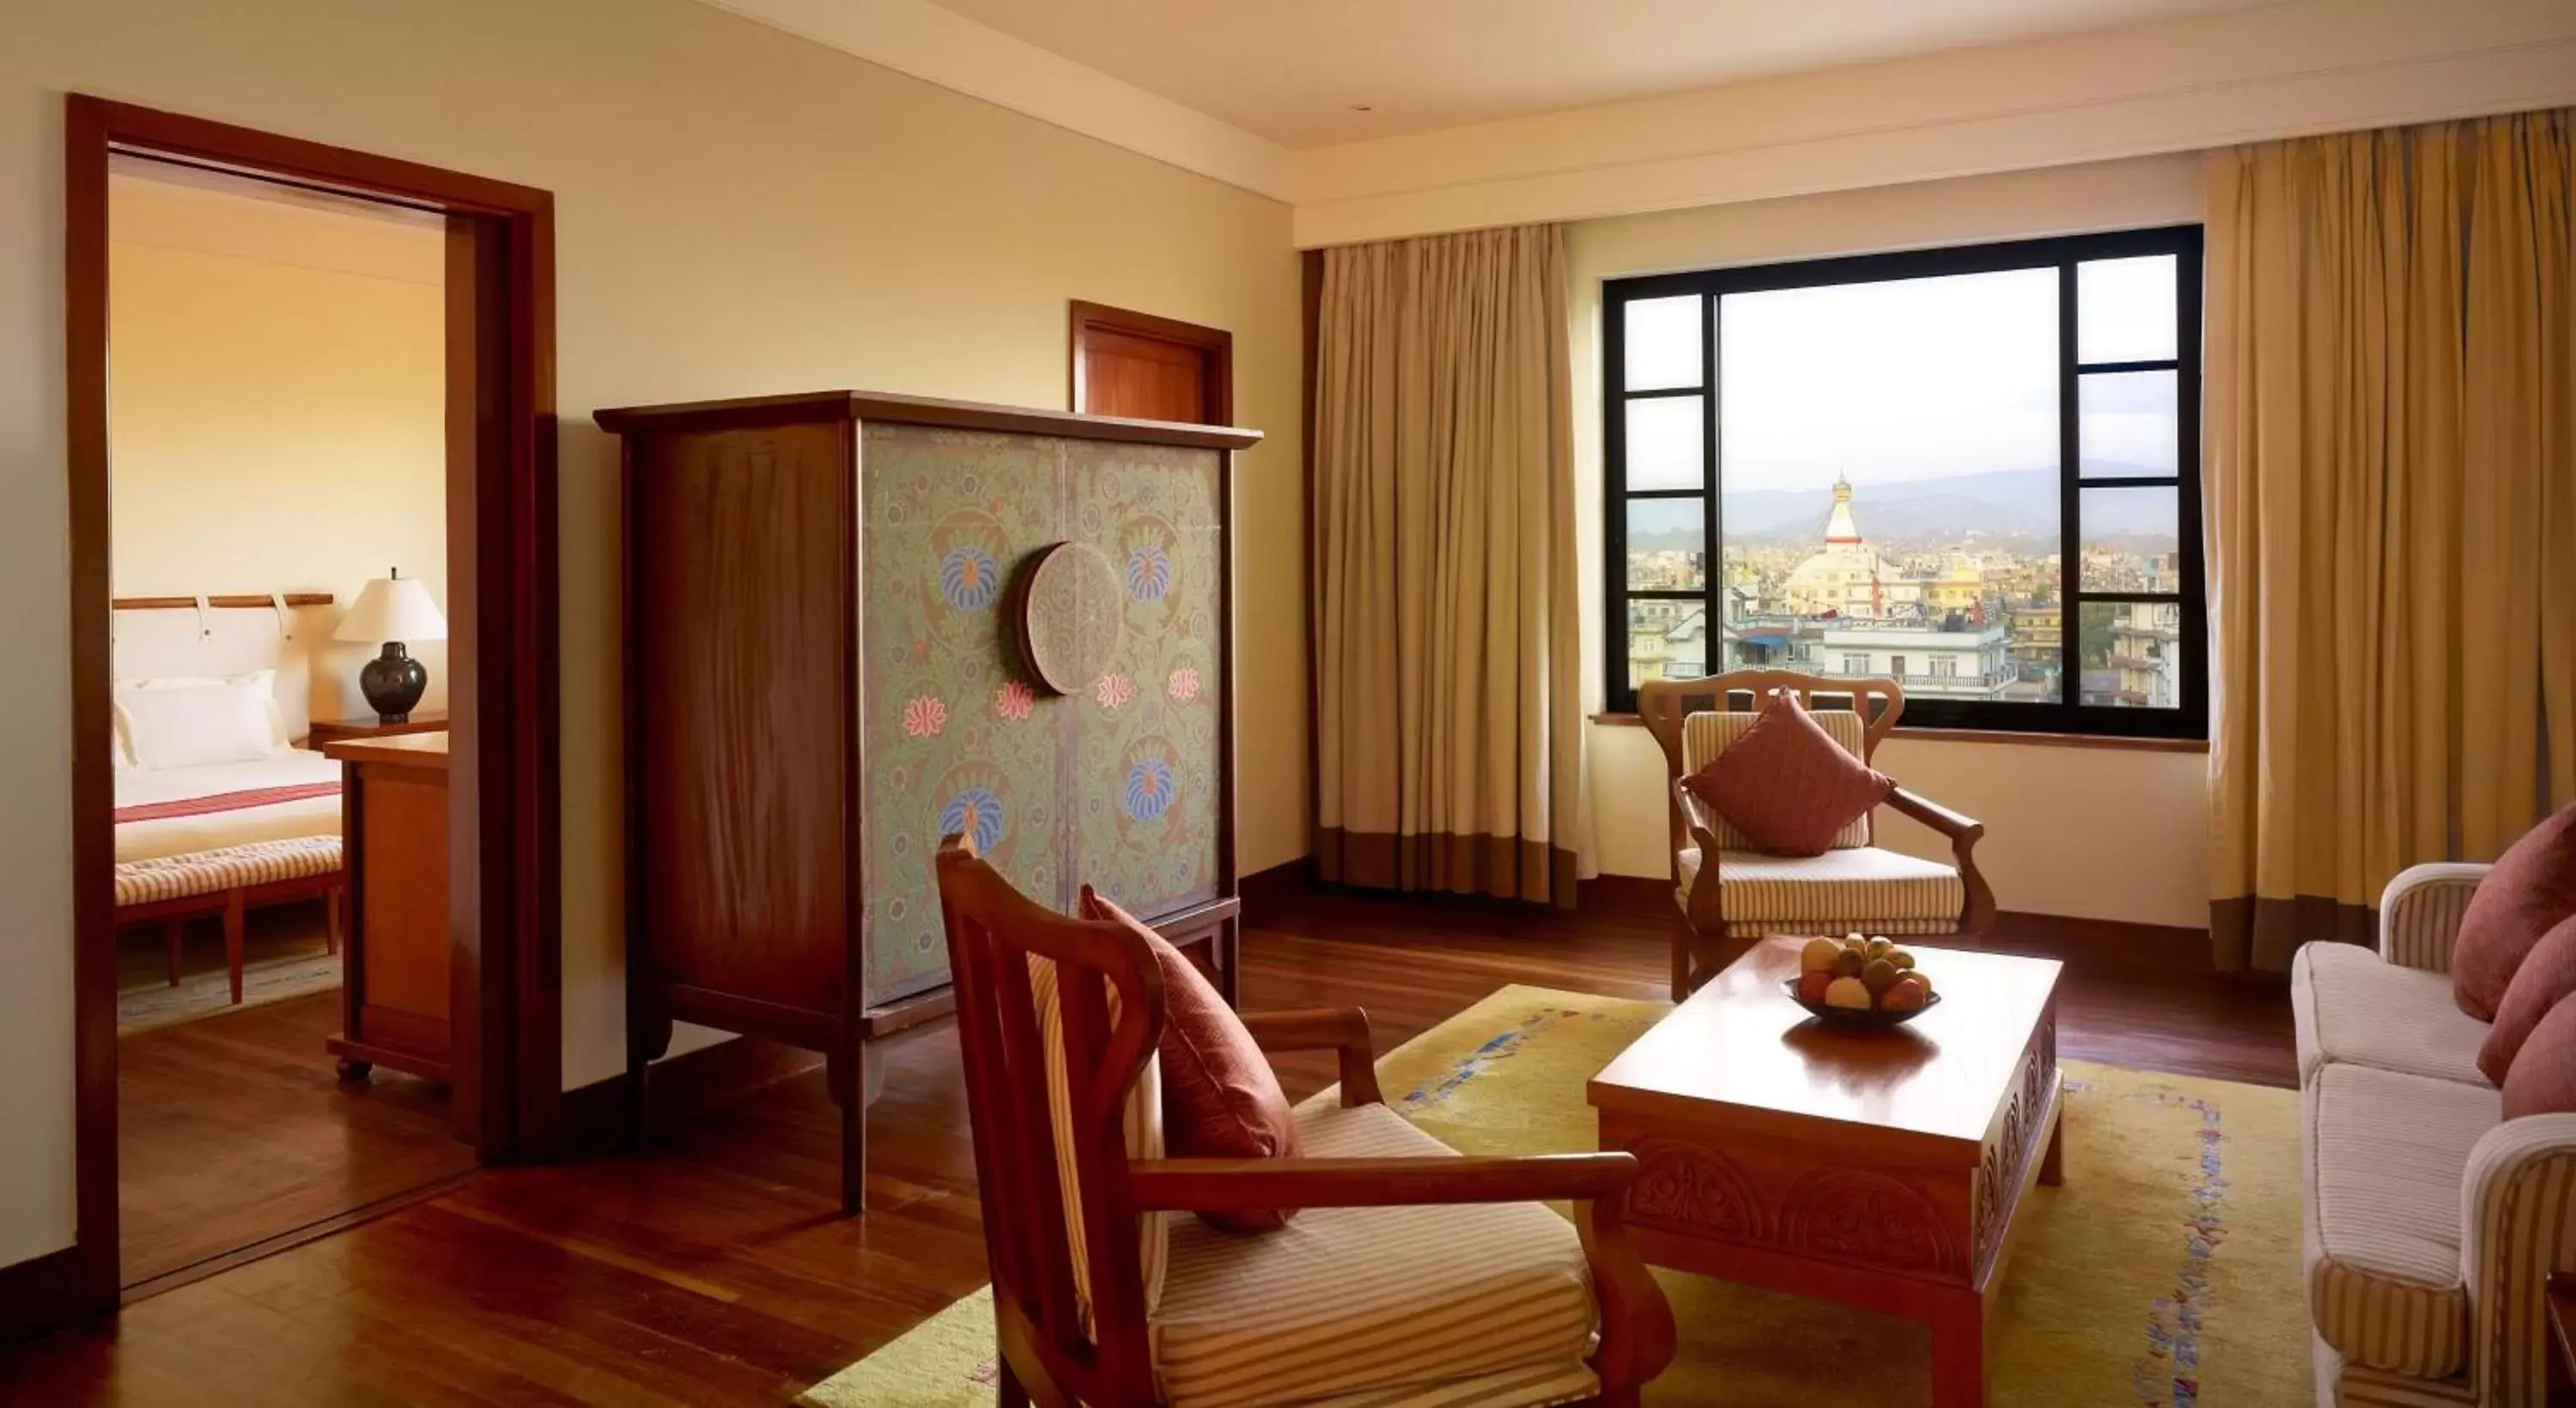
x,y
1982,462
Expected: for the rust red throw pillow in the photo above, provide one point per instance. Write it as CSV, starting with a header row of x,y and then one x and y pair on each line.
x,y
2546,977
2532,887
1220,1098
1786,784
2543,1080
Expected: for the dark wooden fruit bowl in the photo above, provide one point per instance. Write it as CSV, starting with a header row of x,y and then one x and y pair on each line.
x,y
1864,1019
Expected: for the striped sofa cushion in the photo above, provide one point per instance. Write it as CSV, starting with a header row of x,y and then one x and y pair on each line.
x,y
225,868
1705,735
2386,1152
1865,888
1378,1307
2351,1005
1144,1133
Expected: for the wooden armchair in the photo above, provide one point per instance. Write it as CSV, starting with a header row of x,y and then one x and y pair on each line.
x,y
1743,894
1105,1293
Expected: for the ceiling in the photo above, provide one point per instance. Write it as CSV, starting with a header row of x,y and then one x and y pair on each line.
x,y
1294,71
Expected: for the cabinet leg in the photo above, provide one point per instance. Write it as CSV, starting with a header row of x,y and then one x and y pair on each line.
x,y
331,921
854,1133
1007,1391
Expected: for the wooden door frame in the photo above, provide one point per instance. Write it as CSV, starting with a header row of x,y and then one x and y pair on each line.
x,y
502,584
1216,392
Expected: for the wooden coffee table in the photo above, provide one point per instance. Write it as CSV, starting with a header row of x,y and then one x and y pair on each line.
x,y
1882,1169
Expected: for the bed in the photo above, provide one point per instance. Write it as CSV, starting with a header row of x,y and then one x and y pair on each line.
x,y
217,812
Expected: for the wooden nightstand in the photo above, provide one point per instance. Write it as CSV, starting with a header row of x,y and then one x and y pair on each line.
x,y
334,730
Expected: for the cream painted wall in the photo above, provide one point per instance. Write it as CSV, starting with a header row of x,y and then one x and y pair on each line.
x,y
275,427
738,211
2099,833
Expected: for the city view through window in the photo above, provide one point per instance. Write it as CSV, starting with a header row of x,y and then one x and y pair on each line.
x,y
1893,481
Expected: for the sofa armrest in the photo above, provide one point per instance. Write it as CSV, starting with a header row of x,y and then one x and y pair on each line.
x,y
2419,912
2517,1224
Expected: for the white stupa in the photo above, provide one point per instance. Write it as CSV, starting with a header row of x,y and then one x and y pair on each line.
x,y
1846,576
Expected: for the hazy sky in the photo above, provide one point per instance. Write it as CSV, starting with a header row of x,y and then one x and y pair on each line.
x,y
1909,379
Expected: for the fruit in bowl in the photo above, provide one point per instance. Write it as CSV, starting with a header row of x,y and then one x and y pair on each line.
x,y
1860,978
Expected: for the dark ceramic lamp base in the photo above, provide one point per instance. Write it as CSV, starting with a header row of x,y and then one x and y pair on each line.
x,y
393,683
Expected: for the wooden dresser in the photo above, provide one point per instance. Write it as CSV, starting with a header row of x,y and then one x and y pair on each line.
x,y
396,981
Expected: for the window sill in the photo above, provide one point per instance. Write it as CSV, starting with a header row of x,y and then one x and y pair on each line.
x,y
1979,735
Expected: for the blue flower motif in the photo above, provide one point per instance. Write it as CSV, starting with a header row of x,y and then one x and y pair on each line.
x,y
1149,789
969,577
975,812
1149,573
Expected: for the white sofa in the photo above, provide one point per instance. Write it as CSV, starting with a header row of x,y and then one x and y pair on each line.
x,y
2431,1221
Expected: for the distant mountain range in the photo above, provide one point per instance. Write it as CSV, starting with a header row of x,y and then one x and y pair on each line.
x,y
2002,508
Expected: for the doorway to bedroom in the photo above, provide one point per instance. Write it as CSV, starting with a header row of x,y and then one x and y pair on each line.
x,y
310,419
278,554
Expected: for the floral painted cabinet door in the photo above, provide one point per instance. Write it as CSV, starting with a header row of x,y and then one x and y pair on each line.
x,y
1114,783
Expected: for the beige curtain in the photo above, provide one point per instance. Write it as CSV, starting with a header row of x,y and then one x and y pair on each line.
x,y
1448,739
2391,493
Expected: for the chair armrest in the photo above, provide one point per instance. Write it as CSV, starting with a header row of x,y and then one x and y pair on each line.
x,y
1252,1185
1699,821
2419,912
1977,912
1955,825
2517,1225
1343,1029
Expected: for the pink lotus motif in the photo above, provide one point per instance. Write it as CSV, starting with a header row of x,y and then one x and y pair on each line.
x,y
924,717
1185,683
1113,690
1014,700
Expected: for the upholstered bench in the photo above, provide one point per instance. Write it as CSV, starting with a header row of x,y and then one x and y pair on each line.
x,y
230,880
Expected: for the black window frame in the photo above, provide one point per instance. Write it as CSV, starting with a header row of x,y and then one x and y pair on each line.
x,y
2069,715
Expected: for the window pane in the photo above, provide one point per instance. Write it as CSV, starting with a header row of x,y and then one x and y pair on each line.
x,y
1664,440
2132,653
1663,343
2129,422
2131,538
1667,544
1891,479
1667,639
2124,309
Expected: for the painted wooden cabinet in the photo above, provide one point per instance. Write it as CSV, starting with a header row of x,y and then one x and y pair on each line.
x,y
841,646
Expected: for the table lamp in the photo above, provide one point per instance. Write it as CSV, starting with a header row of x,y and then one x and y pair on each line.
x,y
393,609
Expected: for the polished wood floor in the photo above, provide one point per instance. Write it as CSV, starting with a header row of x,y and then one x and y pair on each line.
x,y
234,1129
712,1268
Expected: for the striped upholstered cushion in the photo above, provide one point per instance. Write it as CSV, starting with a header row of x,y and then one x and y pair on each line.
x,y
1378,1307
225,868
2351,1005
1705,735
1144,1130
2386,1154
1872,890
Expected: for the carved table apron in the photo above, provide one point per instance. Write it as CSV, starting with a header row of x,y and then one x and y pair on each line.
x,y
1867,1180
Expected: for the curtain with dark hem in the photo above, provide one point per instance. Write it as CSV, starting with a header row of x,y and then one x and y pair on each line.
x,y
2390,481
1448,731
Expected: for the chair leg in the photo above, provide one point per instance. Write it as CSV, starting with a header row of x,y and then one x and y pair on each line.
x,y
171,929
1682,937
1007,1392
331,920
233,941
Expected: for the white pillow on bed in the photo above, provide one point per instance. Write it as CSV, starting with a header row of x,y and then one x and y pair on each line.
x,y
184,723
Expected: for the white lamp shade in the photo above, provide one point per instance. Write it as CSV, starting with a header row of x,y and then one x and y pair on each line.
x,y
393,608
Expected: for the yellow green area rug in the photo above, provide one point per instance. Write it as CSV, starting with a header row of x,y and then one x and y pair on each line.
x,y
2164,1272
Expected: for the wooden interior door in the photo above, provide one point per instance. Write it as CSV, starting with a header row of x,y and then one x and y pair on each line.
x,y
1148,368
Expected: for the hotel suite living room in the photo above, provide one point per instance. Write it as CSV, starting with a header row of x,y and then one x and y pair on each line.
x,y
1475,702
